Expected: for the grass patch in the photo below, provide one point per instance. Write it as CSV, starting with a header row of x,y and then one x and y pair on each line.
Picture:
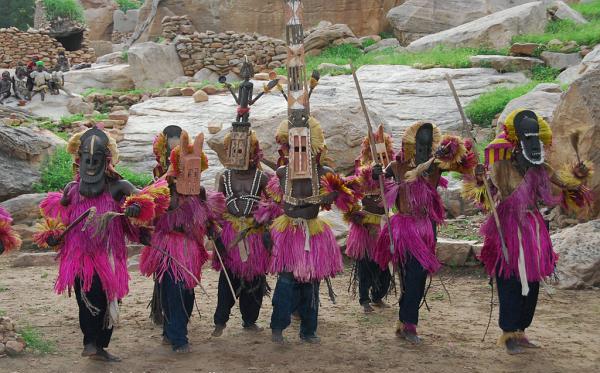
x,y
70,9
69,120
137,179
125,56
436,57
58,172
484,109
591,10
3,289
565,31
368,43
36,341
126,5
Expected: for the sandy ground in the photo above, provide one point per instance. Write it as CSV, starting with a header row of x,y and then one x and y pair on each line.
x,y
567,325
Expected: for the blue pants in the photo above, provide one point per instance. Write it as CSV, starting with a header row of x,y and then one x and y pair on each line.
x,y
178,304
372,278
291,295
516,310
413,289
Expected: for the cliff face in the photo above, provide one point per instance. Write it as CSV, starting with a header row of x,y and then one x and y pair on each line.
x,y
265,17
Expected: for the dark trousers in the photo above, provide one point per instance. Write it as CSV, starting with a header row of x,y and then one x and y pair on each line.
x,y
516,310
413,289
93,306
291,295
177,304
372,279
250,296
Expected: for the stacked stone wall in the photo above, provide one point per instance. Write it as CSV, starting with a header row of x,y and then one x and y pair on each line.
x,y
19,46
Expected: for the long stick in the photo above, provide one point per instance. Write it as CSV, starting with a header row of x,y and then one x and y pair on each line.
x,y
89,213
466,131
225,272
374,155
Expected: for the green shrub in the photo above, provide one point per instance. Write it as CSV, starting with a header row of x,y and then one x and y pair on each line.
x,y
58,172
70,9
17,13
368,42
69,120
565,31
484,109
125,56
126,5
544,74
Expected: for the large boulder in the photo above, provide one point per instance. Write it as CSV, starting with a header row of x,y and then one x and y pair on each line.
x,y
562,11
493,31
396,96
326,34
543,99
99,18
115,77
22,152
590,62
154,65
579,250
579,110
125,22
384,44
101,47
417,18
364,17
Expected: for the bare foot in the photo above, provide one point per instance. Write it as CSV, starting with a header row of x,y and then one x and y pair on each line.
x,y
313,339
380,304
513,347
277,336
410,337
526,343
367,308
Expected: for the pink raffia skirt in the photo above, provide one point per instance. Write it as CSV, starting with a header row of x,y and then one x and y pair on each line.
x,y
186,250
256,256
363,237
311,258
412,235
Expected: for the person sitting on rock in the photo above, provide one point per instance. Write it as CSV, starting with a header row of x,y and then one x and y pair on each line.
x,y
57,83
31,66
62,63
9,238
41,79
5,86
20,83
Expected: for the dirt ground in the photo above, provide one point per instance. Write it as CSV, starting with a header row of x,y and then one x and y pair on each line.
x,y
567,325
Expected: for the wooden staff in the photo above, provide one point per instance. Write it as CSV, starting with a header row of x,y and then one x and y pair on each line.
x,y
467,132
374,155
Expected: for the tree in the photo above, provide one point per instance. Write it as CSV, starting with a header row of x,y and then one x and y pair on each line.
x,y
17,13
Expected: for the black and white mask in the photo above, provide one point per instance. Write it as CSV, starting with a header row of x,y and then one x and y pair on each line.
x,y
528,134
423,143
93,158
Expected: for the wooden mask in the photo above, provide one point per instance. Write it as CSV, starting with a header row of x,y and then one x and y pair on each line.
x,y
300,153
190,166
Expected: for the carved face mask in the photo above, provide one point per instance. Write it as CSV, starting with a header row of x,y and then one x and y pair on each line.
x,y
246,71
300,153
190,166
380,147
93,159
528,133
238,150
423,143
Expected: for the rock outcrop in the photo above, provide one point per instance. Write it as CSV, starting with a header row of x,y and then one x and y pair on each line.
x,y
364,17
116,77
326,34
11,343
417,18
579,110
506,63
410,95
153,65
579,251
22,152
99,18
590,62
493,31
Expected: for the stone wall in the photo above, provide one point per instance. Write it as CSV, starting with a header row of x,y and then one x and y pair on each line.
x,y
222,52
16,45
120,37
